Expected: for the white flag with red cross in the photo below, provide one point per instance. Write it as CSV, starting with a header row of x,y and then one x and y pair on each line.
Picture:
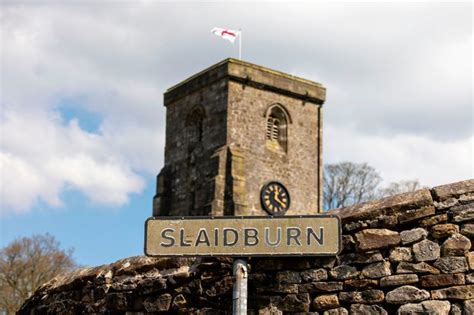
x,y
225,33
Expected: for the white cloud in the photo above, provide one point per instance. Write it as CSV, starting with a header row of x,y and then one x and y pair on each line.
x,y
402,157
41,158
399,79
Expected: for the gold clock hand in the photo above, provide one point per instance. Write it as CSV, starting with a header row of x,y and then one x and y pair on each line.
x,y
275,196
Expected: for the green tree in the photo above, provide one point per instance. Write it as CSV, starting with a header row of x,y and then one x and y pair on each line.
x,y
25,264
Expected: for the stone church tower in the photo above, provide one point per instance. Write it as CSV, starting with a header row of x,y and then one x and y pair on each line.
x,y
242,139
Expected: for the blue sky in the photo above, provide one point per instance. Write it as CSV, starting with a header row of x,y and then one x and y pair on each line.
x,y
97,234
82,122
70,109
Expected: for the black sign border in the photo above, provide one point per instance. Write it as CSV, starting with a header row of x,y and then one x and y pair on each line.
x,y
279,217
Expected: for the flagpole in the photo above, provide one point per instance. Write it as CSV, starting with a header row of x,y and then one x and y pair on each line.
x,y
240,44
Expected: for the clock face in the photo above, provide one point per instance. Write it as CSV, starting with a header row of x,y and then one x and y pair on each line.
x,y
275,198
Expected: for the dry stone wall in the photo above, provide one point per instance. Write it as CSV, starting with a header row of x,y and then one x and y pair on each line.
x,y
408,254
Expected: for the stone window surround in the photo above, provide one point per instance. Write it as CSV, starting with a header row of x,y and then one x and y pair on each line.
x,y
277,119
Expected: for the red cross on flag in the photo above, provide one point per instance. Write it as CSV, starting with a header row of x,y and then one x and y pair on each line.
x,y
227,34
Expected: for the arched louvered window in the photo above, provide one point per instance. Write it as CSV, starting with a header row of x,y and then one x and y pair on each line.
x,y
273,128
276,132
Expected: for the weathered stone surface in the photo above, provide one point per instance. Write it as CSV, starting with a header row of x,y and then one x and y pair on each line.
x,y
358,284
436,219
453,190
378,222
324,262
314,275
470,260
362,309
382,221
415,214
320,287
336,311
220,287
376,238
448,203
288,276
470,278
264,264
118,300
426,307
263,301
411,200
442,231
399,254
442,280
468,230
405,267
385,221
377,270
360,258
466,198
269,310
398,280
295,303
348,243
157,304
456,309
326,302
456,245
406,294
436,307
278,288
344,272
410,309
413,235
354,226
451,264
365,297
179,302
426,250
462,292
469,307
463,213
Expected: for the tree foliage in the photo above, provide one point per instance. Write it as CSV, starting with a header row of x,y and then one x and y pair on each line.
x,y
348,183
25,264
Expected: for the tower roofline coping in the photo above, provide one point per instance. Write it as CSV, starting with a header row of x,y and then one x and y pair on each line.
x,y
247,64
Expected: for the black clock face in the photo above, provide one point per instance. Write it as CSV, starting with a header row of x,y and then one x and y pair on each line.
x,y
275,198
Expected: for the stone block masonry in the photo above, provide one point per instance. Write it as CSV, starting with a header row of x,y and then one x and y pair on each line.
x,y
233,128
407,254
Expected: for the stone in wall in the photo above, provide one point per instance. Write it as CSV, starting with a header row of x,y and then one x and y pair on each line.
x,y
370,239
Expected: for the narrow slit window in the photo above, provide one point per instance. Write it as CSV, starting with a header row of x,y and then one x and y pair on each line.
x,y
195,125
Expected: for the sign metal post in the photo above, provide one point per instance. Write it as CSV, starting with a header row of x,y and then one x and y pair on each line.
x,y
239,294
